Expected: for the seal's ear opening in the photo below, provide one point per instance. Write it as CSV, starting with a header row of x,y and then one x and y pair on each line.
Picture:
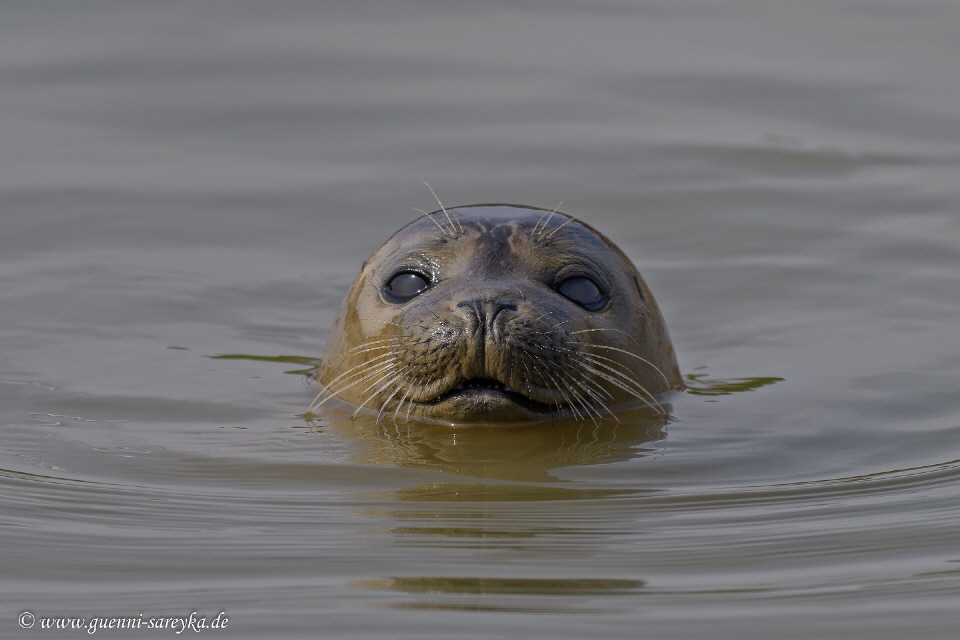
x,y
643,298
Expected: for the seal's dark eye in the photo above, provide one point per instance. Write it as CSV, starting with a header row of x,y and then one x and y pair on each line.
x,y
406,285
583,291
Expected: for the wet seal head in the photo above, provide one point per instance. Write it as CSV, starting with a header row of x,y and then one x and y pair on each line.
x,y
498,314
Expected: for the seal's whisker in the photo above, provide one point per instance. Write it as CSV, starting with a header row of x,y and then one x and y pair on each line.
x,y
391,344
603,409
378,381
568,221
410,402
596,357
526,380
633,355
631,386
364,376
579,319
585,406
444,209
361,348
626,333
565,389
386,369
351,372
384,322
456,217
595,387
627,377
578,398
369,343
559,385
430,216
563,322
542,375
346,387
624,374
591,395
537,374
365,363
549,215
533,232
383,388
407,395
383,405
423,379
647,398
402,398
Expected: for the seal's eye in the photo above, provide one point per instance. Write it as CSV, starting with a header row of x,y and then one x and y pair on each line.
x,y
583,291
406,285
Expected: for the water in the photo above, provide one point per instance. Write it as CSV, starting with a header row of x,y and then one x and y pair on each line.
x,y
184,181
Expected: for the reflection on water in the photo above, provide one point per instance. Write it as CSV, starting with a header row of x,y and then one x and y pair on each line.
x,y
556,586
432,492
311,363
702,384
487,594
522,453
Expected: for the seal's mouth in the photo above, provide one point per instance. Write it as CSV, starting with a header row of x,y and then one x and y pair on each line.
x,y
489,392
481,383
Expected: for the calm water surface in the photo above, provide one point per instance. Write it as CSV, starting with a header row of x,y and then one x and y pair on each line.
x,y
185,181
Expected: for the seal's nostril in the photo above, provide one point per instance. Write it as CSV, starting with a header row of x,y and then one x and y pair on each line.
x,y
489,310
486,311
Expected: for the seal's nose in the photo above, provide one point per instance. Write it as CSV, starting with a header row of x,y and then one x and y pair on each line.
x,y
486,314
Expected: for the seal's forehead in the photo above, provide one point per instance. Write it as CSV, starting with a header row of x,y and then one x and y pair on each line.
x,y
484,217
497,238
501,212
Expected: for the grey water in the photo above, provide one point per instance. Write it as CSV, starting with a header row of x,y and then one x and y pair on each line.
x,y
187,190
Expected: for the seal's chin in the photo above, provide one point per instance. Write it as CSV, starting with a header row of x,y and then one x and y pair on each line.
x,y
486,399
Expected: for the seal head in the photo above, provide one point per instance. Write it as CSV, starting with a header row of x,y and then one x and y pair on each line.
x,y
498,314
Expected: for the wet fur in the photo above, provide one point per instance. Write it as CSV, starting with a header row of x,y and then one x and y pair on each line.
x,y
493,314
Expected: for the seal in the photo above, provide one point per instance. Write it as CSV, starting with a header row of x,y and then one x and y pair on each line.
x,y
499,314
